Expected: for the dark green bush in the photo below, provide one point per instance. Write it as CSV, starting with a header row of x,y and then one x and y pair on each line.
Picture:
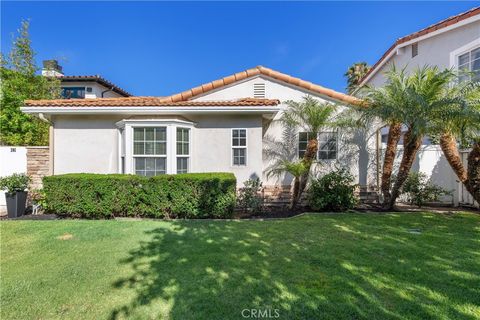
x,y
334,191
190,195
418,190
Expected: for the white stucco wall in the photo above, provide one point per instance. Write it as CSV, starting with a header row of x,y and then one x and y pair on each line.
x,y
356,150
434,51
85,144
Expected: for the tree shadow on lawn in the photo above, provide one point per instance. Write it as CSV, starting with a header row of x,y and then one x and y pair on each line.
x,y
306,268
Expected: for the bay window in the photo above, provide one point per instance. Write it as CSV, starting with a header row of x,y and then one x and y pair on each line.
x,y
154,147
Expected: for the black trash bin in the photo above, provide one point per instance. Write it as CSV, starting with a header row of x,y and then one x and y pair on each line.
x,y
16,203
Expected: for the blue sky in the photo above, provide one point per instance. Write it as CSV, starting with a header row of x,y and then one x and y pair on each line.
x,y
160,48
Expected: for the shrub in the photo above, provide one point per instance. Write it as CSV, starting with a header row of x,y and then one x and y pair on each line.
x,y
418,190
190,195
14,183
249,198
335,191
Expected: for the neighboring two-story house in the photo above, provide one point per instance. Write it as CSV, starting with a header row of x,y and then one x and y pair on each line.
x,y
82,87
451,43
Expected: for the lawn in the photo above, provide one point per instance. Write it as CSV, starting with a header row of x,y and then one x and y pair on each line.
x,y
343,266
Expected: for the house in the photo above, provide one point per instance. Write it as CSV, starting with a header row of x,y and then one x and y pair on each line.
x,y
451,43
222,125
82,87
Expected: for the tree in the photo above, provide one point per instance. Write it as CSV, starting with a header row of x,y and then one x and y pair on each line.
x,y
309,115
427,92
19,83
412,102
460,121
355,74
388,104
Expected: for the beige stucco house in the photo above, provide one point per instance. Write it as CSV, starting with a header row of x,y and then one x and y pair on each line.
x,y
223,125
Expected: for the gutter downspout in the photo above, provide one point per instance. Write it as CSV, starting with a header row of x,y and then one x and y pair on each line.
x,y
377,147
103,92
42,117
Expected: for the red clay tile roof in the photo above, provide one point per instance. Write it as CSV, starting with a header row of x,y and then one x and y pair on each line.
x,y
147,102
434,27
95,78
260,70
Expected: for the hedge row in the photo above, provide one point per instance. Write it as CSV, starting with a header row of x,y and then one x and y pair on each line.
x,y
191,195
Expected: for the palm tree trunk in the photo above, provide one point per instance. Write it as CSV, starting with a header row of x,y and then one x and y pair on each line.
x,y
394,135
412,144
308,158
448,144
295,196
474,171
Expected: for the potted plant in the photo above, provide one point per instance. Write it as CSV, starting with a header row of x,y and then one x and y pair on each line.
x,y
16,194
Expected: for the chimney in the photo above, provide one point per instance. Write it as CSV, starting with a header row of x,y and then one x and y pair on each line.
x,y
51,68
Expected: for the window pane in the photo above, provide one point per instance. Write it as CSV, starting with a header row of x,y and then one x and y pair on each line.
x,y
149,134
139,163
235,133
243,133
476,65
160,148
150,164
182,165
149,147
138,148
138,134
476,54
327,145
463,59
161,134
243,142
160,165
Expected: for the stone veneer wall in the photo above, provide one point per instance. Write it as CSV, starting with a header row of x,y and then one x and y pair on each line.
x,y
38,165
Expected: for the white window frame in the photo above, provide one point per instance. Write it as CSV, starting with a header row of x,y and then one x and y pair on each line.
x,y
317,158
454,55
336,145
189,148
163,156
171,126
232,147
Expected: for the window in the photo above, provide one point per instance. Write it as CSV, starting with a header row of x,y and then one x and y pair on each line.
x,y
150,151
239,147
414,50
469,62
327,144
73,92
183,149
303,138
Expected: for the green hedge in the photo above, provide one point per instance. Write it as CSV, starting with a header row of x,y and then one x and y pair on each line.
x,y
191,195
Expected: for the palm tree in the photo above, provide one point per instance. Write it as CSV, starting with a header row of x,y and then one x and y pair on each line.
x,y
297,169
355,74
461,120
387,104
427,92
310,116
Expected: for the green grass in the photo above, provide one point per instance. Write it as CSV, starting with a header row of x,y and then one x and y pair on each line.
x,y
345,266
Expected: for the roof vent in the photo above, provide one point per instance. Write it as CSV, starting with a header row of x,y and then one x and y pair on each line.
x,y
259,90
